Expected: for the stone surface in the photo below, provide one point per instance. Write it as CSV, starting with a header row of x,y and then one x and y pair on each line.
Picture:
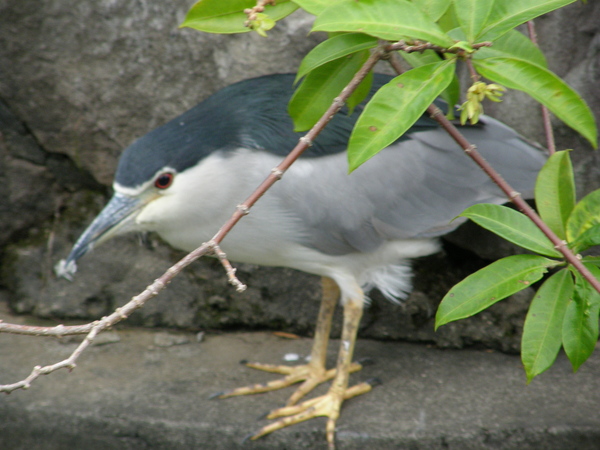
x,y
137,394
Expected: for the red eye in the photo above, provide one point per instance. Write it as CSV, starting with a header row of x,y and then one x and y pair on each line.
x,y
164,180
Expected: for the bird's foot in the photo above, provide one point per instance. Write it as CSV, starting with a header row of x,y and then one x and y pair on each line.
x,y
327,405
310,374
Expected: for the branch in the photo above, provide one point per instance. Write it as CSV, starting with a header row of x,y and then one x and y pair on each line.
x,y
56,331
94,328
550,143
303,143
475,77
259,8
220,254
516,198
211,246
420,46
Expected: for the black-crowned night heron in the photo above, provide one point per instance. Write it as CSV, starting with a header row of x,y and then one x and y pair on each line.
x,y
358,231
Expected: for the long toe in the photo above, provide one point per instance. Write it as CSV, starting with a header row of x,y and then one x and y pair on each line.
x,y
327,405
310,376
293,375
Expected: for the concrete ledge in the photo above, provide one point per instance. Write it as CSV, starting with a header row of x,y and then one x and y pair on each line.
x,y
149,390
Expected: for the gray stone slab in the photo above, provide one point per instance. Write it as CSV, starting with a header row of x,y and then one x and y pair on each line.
x,y
133,392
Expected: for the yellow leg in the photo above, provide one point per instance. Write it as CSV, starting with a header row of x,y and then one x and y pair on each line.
x,y
313,373
329,404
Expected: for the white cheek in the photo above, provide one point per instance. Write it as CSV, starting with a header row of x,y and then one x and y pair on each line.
x,y
196,204
153,214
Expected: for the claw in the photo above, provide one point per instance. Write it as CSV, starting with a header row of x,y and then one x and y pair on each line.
x,y
327,405
314,373
310,376
366,361
264,416
374,382
216,395
247,439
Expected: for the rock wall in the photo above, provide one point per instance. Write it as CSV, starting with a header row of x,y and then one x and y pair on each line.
x,y
79,81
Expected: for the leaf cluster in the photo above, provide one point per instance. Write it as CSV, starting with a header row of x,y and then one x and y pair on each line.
x,y
453,27
433,36
565,309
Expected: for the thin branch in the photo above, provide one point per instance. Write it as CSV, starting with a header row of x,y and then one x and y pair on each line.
x,y
438,115
420,46
303,143
514,196
56,331
252,13
212,246
220,254
96,327
473,73
546,119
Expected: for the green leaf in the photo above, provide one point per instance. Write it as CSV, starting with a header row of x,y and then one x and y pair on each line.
x,y
417,59
543,86
261,24
508,14
395,108
512,226
580,325
589,238
448,21
542,332
490,285
386,19
595,260
318,89
584,216
334,48
314,7
464,46
555,192
472,16
513,45
434,9
218,16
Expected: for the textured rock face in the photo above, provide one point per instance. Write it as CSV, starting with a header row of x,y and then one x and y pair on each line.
x,y
79,81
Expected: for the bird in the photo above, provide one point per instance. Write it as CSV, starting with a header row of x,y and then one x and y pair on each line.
x,y
357,231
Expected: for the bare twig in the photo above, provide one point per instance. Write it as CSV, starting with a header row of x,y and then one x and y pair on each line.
x,y
213,245
220,254
550,142
253,12
56,331
303,143
94,328
473,73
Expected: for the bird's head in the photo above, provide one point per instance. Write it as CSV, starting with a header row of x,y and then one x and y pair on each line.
x,y
156,178
131,208
178,175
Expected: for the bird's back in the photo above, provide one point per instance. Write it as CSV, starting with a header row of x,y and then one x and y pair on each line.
x,y
411,190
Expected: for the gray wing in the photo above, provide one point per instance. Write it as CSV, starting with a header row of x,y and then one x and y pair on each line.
x,y
412,189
